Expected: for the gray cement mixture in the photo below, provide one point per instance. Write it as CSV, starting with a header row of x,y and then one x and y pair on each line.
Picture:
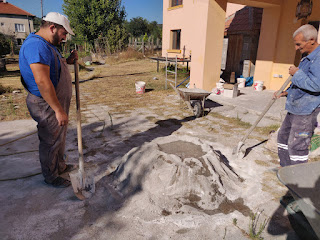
x,y
164,179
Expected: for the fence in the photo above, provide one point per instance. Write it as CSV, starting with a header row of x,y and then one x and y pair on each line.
x,y
102,46
150,45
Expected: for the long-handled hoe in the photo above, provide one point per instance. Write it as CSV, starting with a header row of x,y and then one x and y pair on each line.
x,y
237,149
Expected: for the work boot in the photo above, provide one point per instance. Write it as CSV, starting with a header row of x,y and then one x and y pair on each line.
x,y
59,182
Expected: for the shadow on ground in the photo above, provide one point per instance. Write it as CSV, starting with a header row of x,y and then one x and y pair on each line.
x,y
40,206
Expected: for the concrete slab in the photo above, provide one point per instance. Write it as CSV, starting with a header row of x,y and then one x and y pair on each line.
x,y
254,102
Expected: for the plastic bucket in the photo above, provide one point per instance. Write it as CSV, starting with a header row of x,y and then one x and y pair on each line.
x,y
258,86
140,87
241,82
219,85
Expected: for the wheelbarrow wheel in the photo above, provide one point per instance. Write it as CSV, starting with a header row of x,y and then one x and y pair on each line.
x,y
197,109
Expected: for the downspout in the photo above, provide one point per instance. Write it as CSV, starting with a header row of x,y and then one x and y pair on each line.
x,y
29,24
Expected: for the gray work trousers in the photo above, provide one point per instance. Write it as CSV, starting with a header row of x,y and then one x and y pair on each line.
x,y
294,138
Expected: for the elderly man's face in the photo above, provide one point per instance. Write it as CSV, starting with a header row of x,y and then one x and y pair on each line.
x,y
60,34
304,46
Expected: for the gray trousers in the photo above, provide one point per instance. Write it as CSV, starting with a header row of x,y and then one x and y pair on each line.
x,y
294,138
52,137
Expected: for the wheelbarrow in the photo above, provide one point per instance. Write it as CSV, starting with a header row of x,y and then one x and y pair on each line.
x,y
194,98
303,182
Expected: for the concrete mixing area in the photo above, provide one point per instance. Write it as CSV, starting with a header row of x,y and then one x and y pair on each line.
x,y
160,173
164,179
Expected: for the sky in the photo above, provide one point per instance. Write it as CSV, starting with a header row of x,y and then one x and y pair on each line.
x,y
149,9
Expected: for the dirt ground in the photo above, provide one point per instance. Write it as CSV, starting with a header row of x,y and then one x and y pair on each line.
x,y
160,173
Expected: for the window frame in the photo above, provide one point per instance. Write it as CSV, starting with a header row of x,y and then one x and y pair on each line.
x,y
20,41
175,40
18,26
174,4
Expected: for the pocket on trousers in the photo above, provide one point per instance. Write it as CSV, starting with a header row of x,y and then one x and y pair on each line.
x,y
301,141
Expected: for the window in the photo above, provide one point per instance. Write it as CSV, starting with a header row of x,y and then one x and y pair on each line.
x,y
19,27
19,41
176,36
175,3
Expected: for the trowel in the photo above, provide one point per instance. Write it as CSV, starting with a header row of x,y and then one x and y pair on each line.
x,y
237,149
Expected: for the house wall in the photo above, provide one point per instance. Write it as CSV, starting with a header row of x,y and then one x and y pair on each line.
x,y
267,44
202,31
7,25
276,52
188,18
202,28
232,8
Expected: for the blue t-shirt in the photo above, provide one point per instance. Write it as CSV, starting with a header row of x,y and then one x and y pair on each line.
x,y
36,50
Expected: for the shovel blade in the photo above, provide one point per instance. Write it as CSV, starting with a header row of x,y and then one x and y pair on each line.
x,y
237,148
83,186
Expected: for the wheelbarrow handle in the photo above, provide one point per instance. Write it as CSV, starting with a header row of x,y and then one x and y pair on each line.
x,y
186,101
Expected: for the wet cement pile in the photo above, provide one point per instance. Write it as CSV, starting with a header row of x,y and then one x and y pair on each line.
x,y
184,176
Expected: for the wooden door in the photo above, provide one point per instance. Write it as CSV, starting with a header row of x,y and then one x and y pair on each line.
x,y
235,43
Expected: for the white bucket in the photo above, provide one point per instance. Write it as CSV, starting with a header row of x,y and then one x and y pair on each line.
x,y
219,85
241,82
140,87
258,86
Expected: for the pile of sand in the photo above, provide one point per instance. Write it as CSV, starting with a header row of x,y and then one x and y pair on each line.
x,y
180,175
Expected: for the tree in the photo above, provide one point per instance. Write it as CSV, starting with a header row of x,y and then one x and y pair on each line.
x,y
36,23
92,19
137,27
4,44
155,29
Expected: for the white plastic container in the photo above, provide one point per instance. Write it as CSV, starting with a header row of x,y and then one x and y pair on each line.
x,y
231,93
258,86
140,87
241,82
219,85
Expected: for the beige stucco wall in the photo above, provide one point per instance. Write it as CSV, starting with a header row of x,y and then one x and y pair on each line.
x,y
232,8
202,26
202,29
8,26
214,43
276,51
267,44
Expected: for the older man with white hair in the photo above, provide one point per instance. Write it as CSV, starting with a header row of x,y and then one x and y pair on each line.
x,y
45,75
303,100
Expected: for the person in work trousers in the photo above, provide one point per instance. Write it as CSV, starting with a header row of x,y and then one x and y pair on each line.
x,y
45,75
303,100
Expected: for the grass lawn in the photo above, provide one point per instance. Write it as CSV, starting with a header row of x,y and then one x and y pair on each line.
x,y
112,84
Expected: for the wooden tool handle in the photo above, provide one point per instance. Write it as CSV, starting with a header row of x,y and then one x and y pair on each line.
x,y
79,132
267,108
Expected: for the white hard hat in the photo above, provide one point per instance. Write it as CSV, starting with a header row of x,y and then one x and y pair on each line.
x,y
59,19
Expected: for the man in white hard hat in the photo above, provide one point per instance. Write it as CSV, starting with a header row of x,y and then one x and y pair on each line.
x,y
45,75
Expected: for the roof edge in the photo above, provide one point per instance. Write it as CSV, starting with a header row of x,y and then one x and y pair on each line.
x,y
27,13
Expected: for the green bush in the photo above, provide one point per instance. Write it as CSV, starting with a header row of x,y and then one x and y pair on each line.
x,y
4,44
